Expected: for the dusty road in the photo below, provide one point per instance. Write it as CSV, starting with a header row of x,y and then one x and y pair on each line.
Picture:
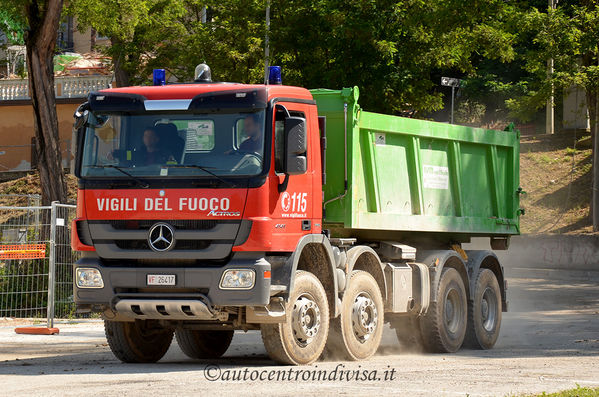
x,y
549,342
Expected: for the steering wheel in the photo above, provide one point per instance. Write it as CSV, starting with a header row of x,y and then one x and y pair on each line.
x,y
248,160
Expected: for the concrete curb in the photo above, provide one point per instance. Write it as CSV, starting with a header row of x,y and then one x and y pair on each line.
x,y
575,252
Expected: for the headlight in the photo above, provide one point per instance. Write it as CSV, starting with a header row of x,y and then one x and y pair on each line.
x,y
237,279
89,278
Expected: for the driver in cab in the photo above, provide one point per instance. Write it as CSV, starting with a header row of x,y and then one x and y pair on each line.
x,y
251,129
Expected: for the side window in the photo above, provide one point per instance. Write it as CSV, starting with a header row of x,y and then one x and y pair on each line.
x,y
280,137
279,141
108,139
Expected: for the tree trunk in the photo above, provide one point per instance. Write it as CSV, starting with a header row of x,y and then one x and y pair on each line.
x,y
40,42
118,58
593,106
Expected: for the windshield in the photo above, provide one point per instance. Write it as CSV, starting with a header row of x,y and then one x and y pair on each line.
x,y
158,145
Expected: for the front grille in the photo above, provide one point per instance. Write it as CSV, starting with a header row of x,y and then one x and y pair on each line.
x,y
184,245
194,239
178,224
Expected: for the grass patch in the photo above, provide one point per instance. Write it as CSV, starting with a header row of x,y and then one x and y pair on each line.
x,y
577,392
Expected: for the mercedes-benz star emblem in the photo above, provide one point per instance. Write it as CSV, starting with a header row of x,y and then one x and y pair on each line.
x,y
161,237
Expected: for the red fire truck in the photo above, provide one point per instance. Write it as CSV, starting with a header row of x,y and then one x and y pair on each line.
x,y
200,212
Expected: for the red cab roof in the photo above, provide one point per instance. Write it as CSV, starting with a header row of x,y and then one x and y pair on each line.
x,y
189,91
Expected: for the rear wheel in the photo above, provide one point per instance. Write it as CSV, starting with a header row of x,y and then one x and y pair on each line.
x,y
204,344
302,337
356,333
484,312
444,325
137,342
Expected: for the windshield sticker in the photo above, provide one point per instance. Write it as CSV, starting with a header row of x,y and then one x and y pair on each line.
x,y
200,135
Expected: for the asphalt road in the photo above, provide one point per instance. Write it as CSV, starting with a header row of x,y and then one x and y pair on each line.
x,y
549,341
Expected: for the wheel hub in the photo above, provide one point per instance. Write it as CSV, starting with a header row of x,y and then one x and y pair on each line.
x,y
449,310
452,311
488,309
305,320
364,317
485,309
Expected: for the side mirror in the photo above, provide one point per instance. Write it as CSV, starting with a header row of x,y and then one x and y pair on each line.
x,y
81,115
296,145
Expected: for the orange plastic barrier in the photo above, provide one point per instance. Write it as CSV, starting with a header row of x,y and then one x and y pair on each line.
x,y
23,251
37,330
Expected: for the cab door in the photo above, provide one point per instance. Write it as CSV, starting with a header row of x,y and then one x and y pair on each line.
x,y
297,204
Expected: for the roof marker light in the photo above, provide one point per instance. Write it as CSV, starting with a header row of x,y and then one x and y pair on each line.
x,y
159,77
274,75
203,74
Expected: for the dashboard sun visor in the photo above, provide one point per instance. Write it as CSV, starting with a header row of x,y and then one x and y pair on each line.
x,y
116,102
230,100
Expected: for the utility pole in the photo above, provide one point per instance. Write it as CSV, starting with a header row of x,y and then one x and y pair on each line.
x,y
266,43
453,83
550,112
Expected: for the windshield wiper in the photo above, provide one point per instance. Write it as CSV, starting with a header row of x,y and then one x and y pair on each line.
x,y
141,183
203,168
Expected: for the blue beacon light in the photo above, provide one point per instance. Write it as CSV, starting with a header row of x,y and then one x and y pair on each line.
x,y
159,77
274,75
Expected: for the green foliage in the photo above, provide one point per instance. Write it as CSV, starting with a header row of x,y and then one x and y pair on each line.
x,y
390,49
570,151
470,112
569,35
12,23
116,19
231,41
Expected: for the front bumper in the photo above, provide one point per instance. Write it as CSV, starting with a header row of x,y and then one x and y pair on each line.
x,y
122,283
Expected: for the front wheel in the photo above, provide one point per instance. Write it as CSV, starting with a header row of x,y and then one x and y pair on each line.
x,y
444,325
484,312
203,344
137,342
356,334
302,337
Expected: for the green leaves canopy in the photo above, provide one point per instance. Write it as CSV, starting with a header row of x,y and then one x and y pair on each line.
x,y
389,49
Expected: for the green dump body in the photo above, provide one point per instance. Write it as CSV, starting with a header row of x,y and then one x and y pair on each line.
x,y
409,178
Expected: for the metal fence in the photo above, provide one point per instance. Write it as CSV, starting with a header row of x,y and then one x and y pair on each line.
x,y
36,262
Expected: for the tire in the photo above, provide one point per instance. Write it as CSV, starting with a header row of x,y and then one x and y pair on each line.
x,y
136,342
203,344
295,343
444,325
356,334
484,312
408,333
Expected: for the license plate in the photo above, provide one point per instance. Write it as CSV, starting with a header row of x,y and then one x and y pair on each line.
x,y
161,279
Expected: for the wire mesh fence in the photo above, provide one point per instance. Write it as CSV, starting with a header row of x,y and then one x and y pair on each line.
x,y
36,262
64,259
24,261
20,200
